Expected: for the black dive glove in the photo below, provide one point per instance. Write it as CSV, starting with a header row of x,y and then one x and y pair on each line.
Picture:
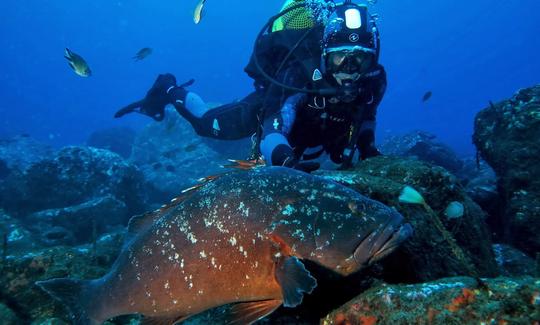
x,y
282,155
156,98
366,144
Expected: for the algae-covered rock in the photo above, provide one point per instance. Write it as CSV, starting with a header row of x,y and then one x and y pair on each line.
x,y
8,316
425,147
507,134
461,247
80,222
447,301
514,262
20,272
20,152
73,176
480,183
15,237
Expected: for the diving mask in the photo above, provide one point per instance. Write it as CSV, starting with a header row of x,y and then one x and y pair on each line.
x,y
355,60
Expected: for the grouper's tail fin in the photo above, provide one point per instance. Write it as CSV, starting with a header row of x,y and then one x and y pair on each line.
x,y
73,294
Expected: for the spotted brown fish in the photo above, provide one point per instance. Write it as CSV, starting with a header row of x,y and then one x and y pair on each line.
x,y
239,239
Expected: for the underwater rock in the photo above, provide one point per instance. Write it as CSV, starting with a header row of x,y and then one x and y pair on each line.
x,y
73,176
423,146
8,316
514,262
20,152
18,237
480,183
459,300
84,221
19,274
4,170
507,135
172,157
427,255
117,139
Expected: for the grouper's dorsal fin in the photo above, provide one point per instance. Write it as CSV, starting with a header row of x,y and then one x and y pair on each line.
x,y
140,222
245,164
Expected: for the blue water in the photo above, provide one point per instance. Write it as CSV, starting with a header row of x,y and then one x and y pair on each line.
x,y
466,52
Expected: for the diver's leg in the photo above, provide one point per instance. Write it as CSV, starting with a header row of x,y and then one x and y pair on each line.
x,y
227,122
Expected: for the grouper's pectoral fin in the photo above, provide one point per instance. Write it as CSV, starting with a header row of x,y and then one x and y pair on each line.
x,y
245,313
291,274
163,320
294,279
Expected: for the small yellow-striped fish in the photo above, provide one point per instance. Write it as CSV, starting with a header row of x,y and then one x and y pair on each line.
x,y
198,13
77,63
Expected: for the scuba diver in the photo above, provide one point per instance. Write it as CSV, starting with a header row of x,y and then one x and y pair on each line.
x,y
317,87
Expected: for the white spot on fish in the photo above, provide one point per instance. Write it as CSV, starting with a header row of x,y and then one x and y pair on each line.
x,y
288,210
232,240
192,238
167,285
203,254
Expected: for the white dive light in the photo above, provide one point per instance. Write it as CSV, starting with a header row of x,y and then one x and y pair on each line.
x,y
353,18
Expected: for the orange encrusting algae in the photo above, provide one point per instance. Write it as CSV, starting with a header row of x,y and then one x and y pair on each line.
x,y
367,320
467,297
431,314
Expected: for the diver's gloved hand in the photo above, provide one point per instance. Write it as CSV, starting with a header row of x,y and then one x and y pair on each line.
x,y
155,100
304,166
283,155
366,144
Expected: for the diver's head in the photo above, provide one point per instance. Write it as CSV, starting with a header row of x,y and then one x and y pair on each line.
x,y
350,45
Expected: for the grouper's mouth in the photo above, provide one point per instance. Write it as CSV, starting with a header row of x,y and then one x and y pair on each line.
x,y
382,241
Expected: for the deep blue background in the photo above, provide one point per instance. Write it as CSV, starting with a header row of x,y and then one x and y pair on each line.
x,y
466,52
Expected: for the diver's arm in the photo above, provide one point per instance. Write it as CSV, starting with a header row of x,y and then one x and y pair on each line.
x,y
366,137
275,146
156,99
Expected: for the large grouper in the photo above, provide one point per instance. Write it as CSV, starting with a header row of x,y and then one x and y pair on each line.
x,y
238,240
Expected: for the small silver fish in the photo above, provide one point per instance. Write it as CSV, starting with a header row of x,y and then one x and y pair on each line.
x,y
77,63
198,13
